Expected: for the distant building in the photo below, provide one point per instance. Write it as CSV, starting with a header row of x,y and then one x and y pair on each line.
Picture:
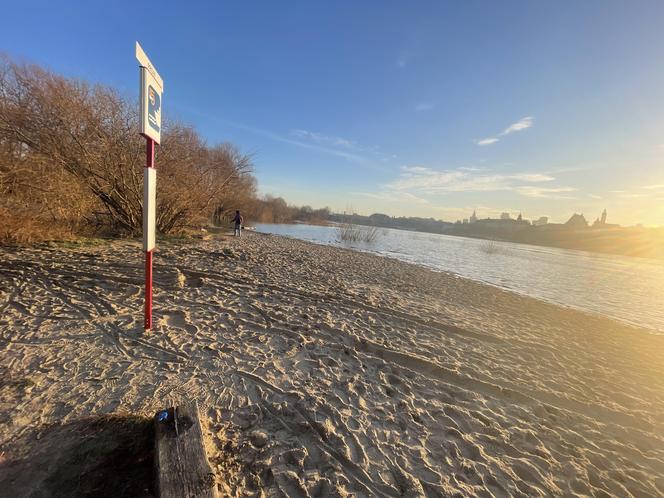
x,y
601,222
519,218
465,221
473,218
543,220
505,216
577,221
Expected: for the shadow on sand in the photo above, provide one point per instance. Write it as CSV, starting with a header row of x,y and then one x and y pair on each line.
x,y
110,455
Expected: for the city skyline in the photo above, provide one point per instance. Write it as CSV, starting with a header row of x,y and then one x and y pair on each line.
x,y
431,112
600,219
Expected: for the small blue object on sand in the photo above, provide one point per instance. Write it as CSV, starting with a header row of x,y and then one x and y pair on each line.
x,y
162,416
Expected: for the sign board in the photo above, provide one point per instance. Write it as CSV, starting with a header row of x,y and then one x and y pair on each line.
x,y
149,208
152,89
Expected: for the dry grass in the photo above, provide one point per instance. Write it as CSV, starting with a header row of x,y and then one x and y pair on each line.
x,y
350,232
17,229
489,247
493,247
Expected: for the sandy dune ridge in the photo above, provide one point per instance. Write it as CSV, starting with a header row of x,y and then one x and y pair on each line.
x,y
328,372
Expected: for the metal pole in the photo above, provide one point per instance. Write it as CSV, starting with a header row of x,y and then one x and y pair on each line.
x,y
148,290
149,148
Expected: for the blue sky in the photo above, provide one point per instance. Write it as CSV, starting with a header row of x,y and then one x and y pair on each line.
x,y
407,108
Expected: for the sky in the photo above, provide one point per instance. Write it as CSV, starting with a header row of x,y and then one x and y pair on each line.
x,y
431,109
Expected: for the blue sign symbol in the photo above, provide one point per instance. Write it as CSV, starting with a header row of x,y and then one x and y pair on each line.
x,y
154,108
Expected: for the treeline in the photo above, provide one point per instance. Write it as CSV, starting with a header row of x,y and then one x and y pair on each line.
x,y
271,209
71,162
402,223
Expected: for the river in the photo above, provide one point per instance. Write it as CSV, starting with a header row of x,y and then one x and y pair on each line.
x,y
621,287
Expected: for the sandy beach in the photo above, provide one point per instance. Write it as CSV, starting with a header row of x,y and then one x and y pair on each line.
x,y
328,372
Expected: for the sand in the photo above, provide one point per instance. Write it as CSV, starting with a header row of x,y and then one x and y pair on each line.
x,y
328,372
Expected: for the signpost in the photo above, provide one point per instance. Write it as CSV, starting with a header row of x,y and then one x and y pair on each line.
x,y
152,89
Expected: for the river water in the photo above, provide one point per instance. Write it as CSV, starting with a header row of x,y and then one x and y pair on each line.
x,y
621,287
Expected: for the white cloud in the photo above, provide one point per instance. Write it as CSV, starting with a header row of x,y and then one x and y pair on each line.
x,y
387,158
427,180
533,177
395,196
486,141
301,138
320,138
545,193
424,106
522,124
415,169
654,187
339,146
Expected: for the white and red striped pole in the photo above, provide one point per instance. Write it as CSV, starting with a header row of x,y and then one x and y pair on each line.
x,y
151,89
149,188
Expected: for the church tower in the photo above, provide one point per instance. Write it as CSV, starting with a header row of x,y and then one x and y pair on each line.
x,y
603,221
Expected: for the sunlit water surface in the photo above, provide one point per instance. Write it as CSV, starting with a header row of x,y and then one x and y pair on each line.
x,y
621,287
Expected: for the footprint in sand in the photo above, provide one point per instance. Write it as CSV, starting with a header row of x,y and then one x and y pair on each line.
x,y
179,320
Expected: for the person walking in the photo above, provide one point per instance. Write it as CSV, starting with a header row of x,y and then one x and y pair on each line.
x,y
238,220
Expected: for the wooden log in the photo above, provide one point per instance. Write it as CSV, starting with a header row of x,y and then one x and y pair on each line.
x,y
182,469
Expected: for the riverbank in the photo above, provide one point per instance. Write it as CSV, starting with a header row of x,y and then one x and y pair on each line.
x,y
636,241
624,241
619,287
332,372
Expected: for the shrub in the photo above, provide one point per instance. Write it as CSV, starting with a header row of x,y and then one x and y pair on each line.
x,y
349,232
493,247
71,156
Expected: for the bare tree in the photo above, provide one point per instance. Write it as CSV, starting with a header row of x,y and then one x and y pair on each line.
x,y
77,147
